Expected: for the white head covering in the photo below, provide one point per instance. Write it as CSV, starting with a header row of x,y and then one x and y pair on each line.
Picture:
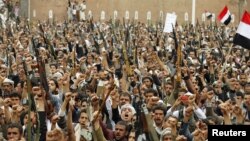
x,y
188,94
166,131
6,80
128,106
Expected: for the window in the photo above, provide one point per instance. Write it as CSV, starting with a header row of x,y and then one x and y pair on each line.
x,y
50,14
186,16
127,15
136,15
115,14
102,15
34,13
149,15
161,15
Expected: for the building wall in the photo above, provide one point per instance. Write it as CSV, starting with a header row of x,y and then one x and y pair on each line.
x,y
59,8
39,9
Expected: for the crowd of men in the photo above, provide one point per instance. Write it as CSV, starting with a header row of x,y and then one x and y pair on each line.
x,y
120,80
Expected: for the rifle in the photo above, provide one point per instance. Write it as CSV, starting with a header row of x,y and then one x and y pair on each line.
x,y
176,46
41,69
96,44
114,38
104,101
47,42
91,24
7,61
177,82
65,29
153,135
135,60
102,37
30,104
124,50
141,125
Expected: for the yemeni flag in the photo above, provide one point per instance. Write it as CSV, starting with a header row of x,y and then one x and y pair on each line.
x,y
225,16
242,36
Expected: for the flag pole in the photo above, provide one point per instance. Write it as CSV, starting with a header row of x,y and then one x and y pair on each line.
x,y
193,12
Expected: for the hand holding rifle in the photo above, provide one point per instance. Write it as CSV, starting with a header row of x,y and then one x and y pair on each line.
x,y
110,88
97,117
40,101
94,101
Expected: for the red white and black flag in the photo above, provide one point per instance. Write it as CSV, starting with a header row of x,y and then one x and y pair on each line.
x,y
242,36
225,16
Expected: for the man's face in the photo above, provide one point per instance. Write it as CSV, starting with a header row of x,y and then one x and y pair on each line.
x,y
238,99
147,82
247,100
53,69
247,89
171,122
192,70
83,120
126,114
32,117
158,117
168,89
52,86
15,100
84,105
148,96
3,73
37,91
243,79
124,100
237,85
120,131
7,87
248,63
21,72
135,91
18,88
89,59
192,55
167,138
238,52
131,136
13,134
